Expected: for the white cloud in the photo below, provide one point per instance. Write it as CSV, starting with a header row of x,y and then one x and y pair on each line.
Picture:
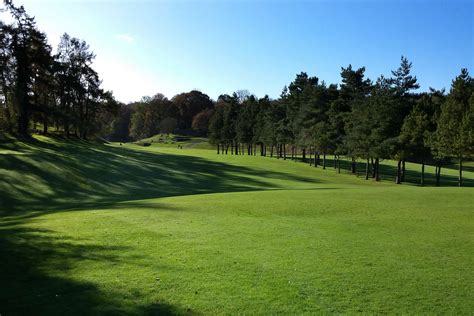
x,y
126,38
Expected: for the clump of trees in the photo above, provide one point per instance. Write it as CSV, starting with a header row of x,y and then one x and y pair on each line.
x,y
186,113
59,90
359,119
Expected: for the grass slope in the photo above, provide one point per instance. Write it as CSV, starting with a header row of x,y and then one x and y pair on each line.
x,y
176,141
142,230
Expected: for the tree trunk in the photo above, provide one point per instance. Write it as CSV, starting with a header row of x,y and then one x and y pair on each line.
x,y
7,106
367,167
438,174
310,157
45,127
377,169
226,148
21,90
304,154
399,172
372,162
403,170
324,160
271,150
335,161
460,171
353,166
8,117
218,147
284,151
338,164
422,174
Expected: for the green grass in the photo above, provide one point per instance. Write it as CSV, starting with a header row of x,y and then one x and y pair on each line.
x,y
108,229
177,141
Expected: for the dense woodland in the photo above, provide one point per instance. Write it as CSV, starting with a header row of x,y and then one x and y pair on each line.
x,y
359,118
41,90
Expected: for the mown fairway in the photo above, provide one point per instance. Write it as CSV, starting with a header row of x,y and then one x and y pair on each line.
x,y
128,229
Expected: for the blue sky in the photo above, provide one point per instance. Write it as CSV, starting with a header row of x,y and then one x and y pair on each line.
x,y
146,47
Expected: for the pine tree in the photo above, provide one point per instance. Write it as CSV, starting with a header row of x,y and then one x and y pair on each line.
x,y
456,123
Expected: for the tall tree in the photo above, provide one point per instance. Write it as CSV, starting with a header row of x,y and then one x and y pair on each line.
x,y
7,78
353,94
201,121
148,114
419,126
402,84
190,104
22,66
454,134
216,125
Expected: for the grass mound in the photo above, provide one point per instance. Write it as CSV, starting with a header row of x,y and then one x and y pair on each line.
x,y
176,141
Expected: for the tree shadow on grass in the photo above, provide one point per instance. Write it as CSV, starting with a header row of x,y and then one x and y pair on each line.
x,y
39,177
36,276
43,176
66,174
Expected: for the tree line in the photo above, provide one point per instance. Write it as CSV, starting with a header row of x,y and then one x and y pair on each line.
x,y
60,90
359,119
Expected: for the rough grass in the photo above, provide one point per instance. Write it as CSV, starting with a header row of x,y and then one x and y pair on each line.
x,y
141,230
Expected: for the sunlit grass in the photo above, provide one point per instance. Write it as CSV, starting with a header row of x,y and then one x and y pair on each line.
x,y
131,229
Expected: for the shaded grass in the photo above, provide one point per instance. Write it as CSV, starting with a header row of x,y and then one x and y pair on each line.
x,y
131,230
52,174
